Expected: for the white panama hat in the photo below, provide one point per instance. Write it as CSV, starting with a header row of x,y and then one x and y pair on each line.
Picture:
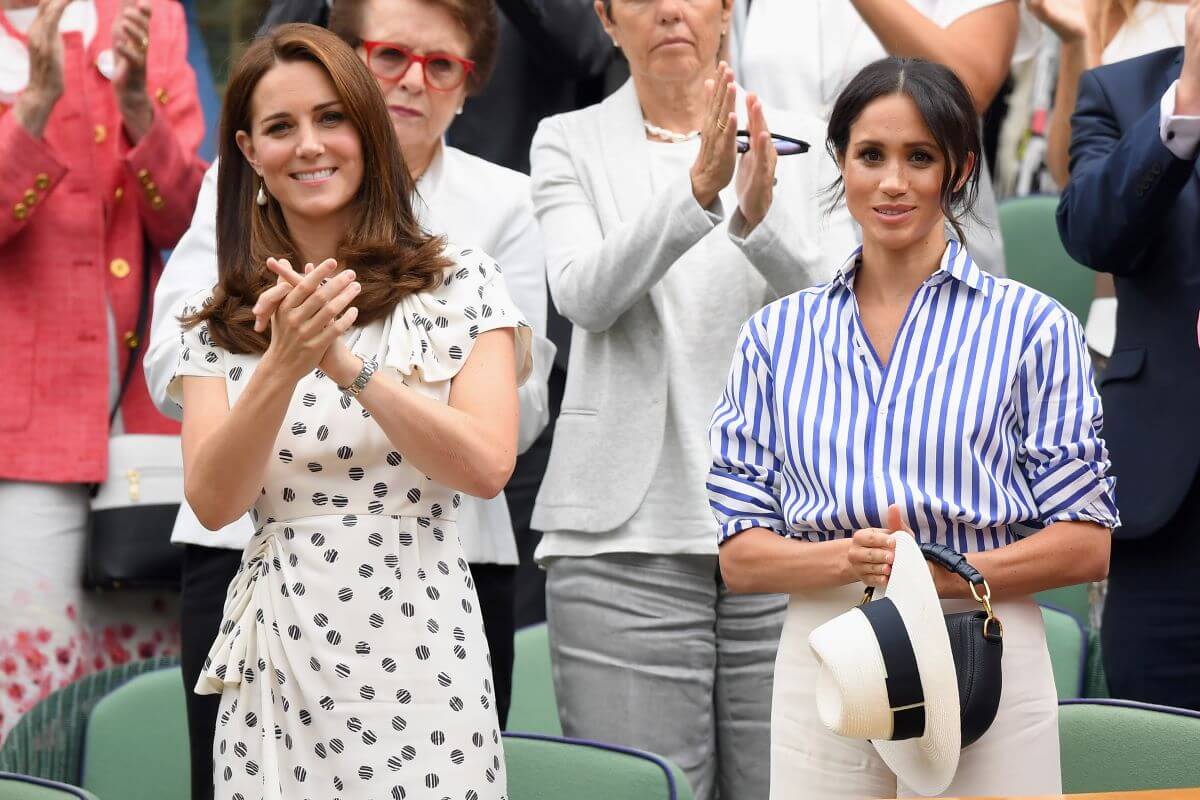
x,y
886,671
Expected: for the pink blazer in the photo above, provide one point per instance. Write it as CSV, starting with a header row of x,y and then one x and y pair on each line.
x,y
82,213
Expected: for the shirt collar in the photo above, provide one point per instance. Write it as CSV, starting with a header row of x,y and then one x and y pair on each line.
x,y
956,263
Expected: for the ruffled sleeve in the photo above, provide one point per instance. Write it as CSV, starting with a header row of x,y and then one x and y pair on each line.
x,y
198,355
431,334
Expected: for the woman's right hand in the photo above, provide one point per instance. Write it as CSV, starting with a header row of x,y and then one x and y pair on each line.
x,y
715,162
45,68
310,318
870,557
1065,17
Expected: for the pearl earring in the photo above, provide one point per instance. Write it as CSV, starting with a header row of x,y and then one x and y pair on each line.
x,y
261,199
460,110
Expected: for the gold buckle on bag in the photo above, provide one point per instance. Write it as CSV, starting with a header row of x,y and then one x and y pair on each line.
x,y
986,602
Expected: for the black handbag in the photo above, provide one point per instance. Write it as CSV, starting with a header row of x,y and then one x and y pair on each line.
x,y
976,642
128,543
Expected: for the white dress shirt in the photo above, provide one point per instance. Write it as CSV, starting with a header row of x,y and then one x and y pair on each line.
x,y
473,203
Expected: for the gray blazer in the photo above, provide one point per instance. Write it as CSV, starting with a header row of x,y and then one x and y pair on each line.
x,y
609,241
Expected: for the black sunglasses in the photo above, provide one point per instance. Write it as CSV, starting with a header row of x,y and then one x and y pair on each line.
x,y
784,145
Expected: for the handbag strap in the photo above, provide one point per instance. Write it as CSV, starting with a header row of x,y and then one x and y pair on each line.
x,y
139,334
952,560
955,562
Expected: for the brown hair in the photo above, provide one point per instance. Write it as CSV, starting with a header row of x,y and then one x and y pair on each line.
x,y
476,17
384,245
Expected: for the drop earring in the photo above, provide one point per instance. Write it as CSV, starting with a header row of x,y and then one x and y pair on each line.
x,y
261,198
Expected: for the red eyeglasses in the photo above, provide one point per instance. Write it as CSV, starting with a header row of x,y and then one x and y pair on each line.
x,y
391,62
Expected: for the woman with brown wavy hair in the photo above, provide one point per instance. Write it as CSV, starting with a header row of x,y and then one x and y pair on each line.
x,y
351,661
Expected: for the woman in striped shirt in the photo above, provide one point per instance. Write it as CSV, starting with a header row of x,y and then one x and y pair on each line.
x,y
913,391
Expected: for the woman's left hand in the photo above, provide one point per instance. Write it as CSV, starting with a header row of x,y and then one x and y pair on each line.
x,y
131,42
339,363
756,169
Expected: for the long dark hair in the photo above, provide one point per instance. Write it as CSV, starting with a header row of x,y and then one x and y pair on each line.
x,y
945,104
384,244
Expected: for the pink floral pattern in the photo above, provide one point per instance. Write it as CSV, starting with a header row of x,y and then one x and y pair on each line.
x,y
37,660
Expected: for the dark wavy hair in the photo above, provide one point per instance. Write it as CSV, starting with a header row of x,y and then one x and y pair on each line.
x,y
945,105
392,256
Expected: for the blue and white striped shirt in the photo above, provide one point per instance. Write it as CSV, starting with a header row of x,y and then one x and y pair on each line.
x,y
984,426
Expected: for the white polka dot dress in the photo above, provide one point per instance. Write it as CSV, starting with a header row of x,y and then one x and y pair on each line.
x,y
351,660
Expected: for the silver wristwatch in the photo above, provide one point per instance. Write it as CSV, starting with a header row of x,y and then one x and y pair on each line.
x,y
364,376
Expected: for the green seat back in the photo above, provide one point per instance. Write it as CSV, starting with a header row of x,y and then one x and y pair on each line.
x,y
136,746
24,787
47,742
1068,643
1097,682
551,768
1117,746
1073,599
534,708
1034,254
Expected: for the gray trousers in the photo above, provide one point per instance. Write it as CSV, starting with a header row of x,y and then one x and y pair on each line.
x,y
654,652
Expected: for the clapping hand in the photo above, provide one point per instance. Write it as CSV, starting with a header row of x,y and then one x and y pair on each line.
x,y
131,43
756,170
45,85
713,168
1065,17
307,315
336,360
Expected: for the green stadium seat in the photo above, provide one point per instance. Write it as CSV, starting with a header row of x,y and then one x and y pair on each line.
x,y
136,746
1119,746
1068,643
1034,254
25,787
534,708
553,768
47,742
1096,683
1076,600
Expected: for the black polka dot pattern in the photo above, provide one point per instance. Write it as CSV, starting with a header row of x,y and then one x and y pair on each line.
x,y
352,660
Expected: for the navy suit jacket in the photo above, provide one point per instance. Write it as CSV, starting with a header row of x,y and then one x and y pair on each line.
x,y
1133,209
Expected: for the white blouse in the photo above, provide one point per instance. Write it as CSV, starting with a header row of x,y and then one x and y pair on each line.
x,y
79,17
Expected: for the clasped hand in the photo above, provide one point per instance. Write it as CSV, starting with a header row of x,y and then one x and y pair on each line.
x,y
873,551
307,315
715,163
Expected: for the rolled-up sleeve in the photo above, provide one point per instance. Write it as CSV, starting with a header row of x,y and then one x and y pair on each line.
x,y
745,478
1062,453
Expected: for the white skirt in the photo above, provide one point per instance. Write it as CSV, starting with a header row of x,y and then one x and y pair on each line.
x,y
1018,755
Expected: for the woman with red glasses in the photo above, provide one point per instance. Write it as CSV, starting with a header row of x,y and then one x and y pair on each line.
x,y
427,57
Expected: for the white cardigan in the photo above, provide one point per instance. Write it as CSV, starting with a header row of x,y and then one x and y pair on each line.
x,y
609,240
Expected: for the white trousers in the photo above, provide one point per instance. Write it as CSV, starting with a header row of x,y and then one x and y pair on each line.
x,y
1017,756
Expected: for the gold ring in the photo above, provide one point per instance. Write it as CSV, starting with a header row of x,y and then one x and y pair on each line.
x,y
145,43
722,126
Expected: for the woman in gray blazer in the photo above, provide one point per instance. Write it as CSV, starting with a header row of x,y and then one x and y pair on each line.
x,y
661,241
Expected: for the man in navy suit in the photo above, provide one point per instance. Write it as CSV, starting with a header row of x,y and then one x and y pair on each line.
x,y
1132,209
